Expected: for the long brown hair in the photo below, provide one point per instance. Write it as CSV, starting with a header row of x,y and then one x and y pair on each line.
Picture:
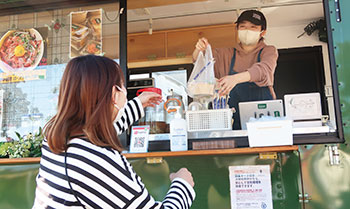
x,y
85,103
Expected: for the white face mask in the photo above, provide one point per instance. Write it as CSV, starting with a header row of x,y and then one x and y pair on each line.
x,y
249,37
120,109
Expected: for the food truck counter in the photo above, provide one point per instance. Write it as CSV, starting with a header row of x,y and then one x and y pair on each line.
x,y
207,135
239,138
210,169
235,151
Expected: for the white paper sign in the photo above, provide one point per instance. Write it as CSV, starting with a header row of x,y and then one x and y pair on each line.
x,y
139,138
303,106
270,133
250,187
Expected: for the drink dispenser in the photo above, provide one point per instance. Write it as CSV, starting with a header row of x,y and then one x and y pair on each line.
x,y
154,116
170,107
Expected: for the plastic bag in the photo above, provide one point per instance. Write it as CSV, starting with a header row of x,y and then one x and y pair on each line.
x,y
202,79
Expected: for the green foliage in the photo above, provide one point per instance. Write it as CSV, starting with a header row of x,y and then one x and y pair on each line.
x,y
26,146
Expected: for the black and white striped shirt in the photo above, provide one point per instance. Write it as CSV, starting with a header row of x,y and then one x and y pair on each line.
x,y
101,177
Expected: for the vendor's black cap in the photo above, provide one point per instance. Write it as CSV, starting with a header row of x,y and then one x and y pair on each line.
x,y
254,16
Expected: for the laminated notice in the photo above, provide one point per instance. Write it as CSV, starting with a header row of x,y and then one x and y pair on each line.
x,y
250,187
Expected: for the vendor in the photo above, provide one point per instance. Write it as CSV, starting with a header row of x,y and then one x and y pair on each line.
x,y
246,71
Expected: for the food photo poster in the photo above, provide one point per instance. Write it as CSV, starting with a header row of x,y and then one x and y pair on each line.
x,y
21,51
85,33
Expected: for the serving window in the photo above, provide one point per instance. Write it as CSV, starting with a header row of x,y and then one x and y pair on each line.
x,y
157,34
299,31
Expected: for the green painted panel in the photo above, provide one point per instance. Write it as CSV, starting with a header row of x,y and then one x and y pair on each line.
x,y
328,186
211,176
17,186
341,40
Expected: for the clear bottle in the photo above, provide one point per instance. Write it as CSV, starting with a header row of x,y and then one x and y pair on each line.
x,y
173,100
154,116
178,132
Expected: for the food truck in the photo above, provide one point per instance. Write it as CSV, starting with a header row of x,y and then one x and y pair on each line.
x,y
303,163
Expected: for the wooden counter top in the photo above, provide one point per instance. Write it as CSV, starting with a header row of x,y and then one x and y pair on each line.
x,y
235,151
26,160
164,62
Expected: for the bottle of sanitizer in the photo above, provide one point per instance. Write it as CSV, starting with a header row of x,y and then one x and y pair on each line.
x,y
178,132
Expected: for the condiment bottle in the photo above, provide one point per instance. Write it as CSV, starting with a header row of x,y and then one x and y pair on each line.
x,y
178,132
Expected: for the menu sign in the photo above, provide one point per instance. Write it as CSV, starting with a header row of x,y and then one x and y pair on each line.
x,y
22,49
250,187
85,33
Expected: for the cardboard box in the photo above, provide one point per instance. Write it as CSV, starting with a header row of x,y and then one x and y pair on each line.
x,y
270,133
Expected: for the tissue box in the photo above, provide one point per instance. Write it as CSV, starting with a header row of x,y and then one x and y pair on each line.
x,y
270,133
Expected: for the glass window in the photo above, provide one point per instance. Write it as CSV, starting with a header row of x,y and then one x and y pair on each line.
x,y
32,67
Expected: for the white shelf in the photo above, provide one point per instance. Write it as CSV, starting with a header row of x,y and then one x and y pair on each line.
x,y
244,133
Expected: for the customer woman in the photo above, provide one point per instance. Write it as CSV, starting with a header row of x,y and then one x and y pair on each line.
x,y
81,165
246,71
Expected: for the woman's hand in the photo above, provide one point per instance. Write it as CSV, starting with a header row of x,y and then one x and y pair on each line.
x,y
228,82
202,44
150,99
184,174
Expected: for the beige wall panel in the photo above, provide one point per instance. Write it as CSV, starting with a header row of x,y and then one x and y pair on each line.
x,y
110,46
146,47
182,42
4,24
44,20
25,23
135,4
45,14
110,29
26,16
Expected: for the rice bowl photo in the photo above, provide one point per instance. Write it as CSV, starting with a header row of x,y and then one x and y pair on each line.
x,y
20,50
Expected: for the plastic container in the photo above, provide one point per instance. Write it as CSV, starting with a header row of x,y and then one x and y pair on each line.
x,y
209,120
172,106
154,116
178,132
194,106
152,89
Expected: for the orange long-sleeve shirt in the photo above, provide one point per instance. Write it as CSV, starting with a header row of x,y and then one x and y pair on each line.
x,y
261,73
